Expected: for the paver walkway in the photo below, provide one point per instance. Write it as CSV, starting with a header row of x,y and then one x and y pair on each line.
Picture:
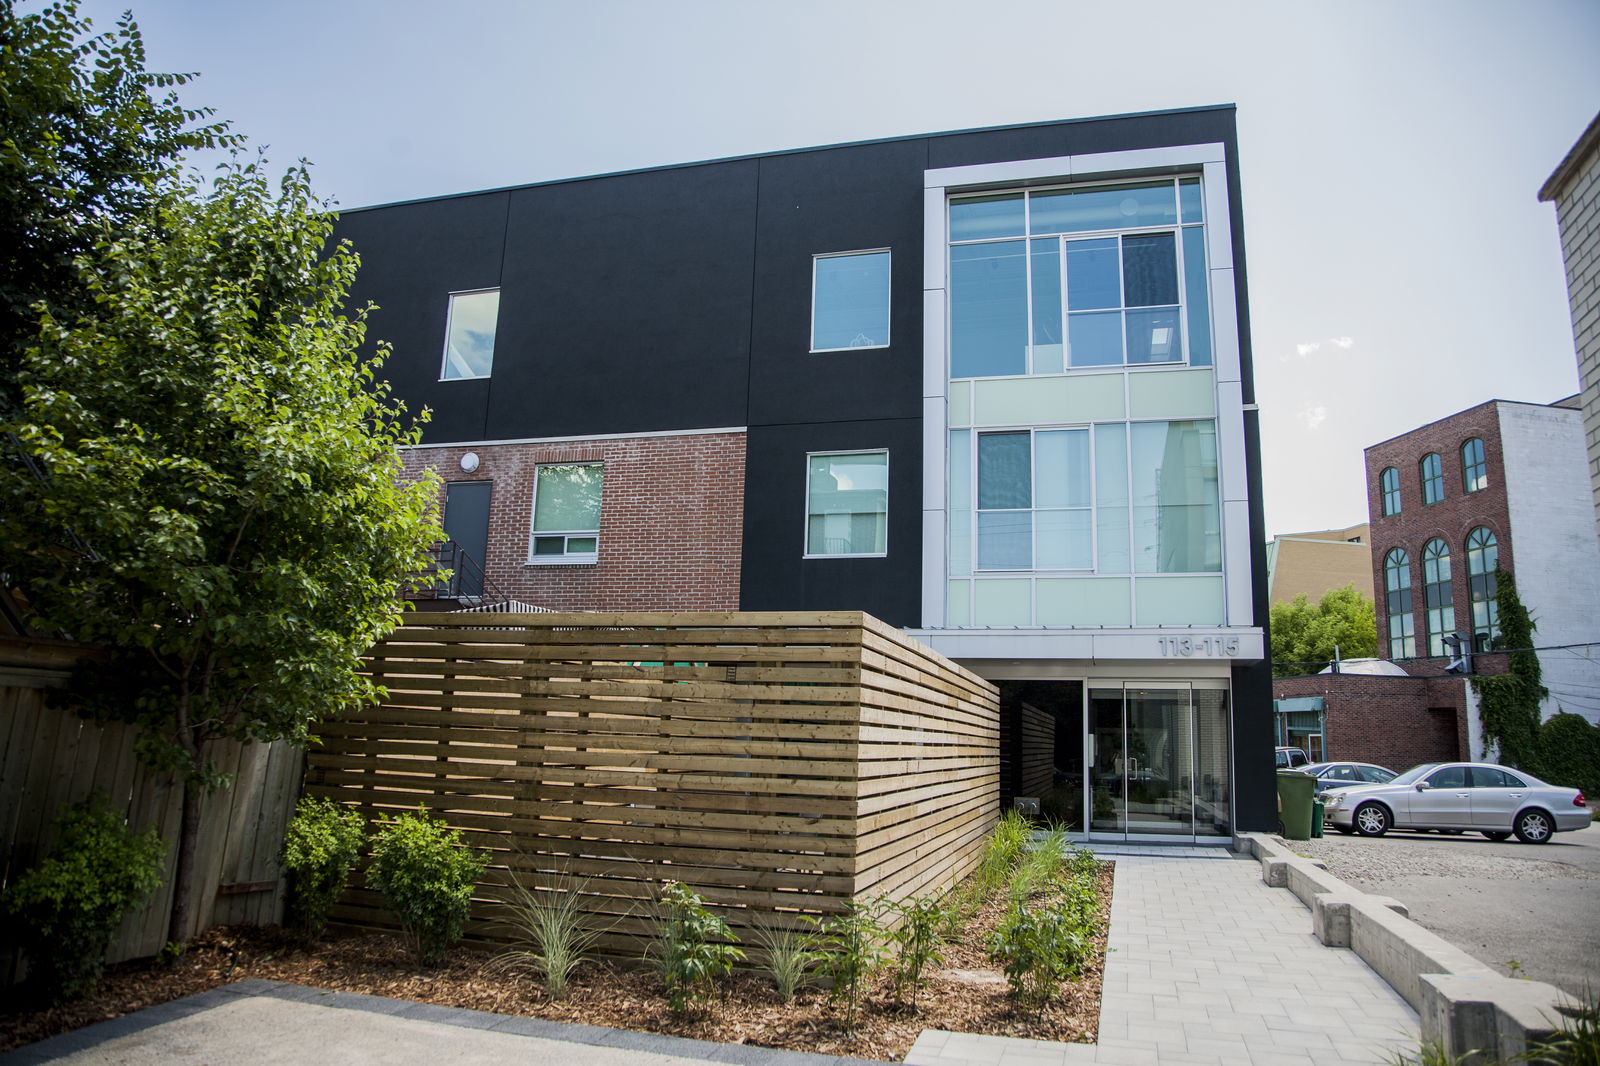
x,y
1210,967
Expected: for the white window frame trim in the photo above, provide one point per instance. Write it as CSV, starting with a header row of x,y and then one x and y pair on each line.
x,y
888,322
449,318
566,558
805,530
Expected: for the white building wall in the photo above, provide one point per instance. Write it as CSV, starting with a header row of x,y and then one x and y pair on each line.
x,y
1556,556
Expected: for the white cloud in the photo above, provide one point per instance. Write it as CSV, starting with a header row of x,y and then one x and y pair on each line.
x,y
1342,342
1313,415
1305,348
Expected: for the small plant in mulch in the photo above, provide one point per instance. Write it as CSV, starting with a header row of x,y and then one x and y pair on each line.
x,y
549,936
918,941
693,949
65,912
1051,924
426,875
783,958
848,949
321,844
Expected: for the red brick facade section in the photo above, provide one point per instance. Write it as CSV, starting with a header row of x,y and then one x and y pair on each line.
x,y
1396,722
1451,519
671,520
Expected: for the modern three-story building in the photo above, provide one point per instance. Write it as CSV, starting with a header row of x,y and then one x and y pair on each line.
x,y
992,386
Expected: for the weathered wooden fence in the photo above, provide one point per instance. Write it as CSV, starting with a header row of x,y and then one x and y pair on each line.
x,y
778,763
50,757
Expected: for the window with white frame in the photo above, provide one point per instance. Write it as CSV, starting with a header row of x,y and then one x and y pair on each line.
x,y
566,514
1397,604
847,504
1111,498
469,335
1050,280
850,300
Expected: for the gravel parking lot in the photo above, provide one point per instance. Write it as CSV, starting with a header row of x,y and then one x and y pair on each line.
x,y
1525,910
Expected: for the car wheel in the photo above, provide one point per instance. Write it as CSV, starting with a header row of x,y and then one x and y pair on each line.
x,y
1372,819
1534,827
1495,835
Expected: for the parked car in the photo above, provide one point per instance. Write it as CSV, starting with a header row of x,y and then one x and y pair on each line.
x,y
1493,800
1332,775
1289,758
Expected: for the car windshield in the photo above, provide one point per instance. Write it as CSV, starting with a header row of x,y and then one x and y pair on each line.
x,y
1413,773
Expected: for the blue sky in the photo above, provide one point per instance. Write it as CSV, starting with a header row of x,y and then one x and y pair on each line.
x,y
1401,267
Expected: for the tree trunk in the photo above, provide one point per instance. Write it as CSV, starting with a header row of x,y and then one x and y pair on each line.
x,y
182,918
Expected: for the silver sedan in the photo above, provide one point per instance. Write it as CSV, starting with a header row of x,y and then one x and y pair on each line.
x,y
1493,800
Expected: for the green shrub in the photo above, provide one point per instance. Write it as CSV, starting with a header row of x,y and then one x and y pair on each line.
x,y
426,875
847,948
692,948
918,943
1041,945
64,912
1040,866
1569,753
549,933
320,846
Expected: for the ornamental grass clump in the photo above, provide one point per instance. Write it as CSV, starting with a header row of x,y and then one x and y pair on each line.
x,y
426,875
321,844
551,937
64,912
784,958
693,947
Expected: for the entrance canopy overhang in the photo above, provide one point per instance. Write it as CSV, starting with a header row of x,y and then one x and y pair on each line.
x,y
1169,650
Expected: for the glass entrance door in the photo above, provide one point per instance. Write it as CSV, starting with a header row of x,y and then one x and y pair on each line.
x,y
1142,780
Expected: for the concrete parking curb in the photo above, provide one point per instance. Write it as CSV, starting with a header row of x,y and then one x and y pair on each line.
x,y
1463,1004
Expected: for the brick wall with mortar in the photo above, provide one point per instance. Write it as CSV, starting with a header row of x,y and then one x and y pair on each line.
x,y
1396,722
671,520
1451,519
1576,191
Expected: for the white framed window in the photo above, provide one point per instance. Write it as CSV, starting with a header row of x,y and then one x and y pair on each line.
x,y
1044,281
566,514
847,504
850,300
469,335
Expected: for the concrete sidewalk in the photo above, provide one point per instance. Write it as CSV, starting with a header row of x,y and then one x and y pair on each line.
x,y
1207,966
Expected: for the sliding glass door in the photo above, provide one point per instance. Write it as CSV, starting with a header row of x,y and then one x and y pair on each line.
x,y
1159,765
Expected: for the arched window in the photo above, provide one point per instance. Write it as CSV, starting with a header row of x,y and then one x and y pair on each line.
x,y
1437,594
1474,469
1389,488
1483,555
1397,604
1432,470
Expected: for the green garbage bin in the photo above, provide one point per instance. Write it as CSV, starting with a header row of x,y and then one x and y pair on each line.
x,y
1296,794
1317,813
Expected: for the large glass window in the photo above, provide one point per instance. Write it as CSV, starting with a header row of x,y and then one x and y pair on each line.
x,y
1389,488
566,513
1397,604
1046,281
469,334
1431,470
1113,499
1474,468
847,503
1034,500
1483,555
1438,594
850,301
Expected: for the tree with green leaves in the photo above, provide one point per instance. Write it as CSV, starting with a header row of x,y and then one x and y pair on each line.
x,y
1509,703
85,129
1304,637
212,490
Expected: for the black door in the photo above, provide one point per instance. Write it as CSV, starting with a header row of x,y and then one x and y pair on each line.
x,y
466,521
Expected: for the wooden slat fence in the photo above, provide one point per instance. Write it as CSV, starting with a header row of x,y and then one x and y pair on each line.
x,y
1037,752
778,763
50,757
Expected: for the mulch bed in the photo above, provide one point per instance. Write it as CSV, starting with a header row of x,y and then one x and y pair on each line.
x,y
967,994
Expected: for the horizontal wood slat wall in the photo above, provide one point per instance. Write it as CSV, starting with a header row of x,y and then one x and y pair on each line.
x,y
50,757
1037,753
779,763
